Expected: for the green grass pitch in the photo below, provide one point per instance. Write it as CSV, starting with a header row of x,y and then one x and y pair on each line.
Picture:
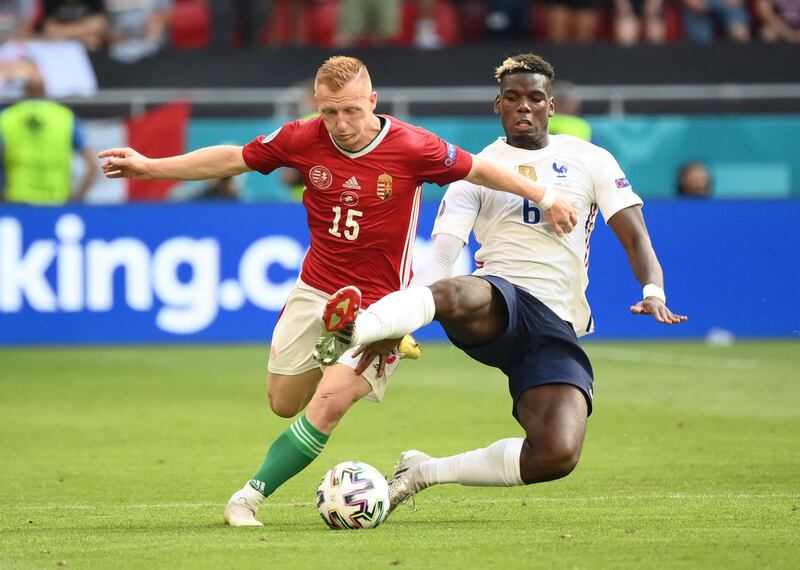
x,y
124,458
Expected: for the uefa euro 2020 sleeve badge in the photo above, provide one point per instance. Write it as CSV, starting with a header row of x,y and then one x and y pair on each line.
x,y
384,187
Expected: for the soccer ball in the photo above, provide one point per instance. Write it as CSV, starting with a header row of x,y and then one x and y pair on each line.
x,y
353,495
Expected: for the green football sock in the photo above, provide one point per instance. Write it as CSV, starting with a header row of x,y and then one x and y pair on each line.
x,y
292,452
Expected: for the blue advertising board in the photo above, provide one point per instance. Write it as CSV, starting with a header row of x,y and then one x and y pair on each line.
x,y
221,272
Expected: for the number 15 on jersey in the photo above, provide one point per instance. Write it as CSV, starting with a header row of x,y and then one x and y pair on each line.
x,y
350,223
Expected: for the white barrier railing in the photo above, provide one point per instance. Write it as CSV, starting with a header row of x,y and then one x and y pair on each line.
x,y
399,99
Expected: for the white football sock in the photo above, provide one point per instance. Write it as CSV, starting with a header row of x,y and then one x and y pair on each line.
x,y
252,495
493,466
395,316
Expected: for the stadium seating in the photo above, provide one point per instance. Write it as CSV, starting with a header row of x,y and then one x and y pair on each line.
x,y
317,23
191,24
456,23
447,19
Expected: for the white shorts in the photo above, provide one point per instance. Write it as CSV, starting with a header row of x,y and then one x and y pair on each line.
x,y
296,334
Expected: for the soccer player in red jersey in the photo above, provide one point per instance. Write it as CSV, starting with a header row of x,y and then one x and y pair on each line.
x,y
363,174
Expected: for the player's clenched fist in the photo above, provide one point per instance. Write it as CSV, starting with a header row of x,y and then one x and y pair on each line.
x,y
561,216
125,163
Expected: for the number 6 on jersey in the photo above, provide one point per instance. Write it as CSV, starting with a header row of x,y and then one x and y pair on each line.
x,y
350,223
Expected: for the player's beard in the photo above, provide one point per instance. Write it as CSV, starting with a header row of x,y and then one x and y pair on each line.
x,y
531,140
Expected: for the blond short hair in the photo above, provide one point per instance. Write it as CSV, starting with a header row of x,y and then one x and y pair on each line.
x,y
524,63
338,71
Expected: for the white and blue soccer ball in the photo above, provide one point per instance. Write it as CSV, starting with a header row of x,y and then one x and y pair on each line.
x,y
353,495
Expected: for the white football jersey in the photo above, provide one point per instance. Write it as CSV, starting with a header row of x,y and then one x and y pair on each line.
x,y
515,241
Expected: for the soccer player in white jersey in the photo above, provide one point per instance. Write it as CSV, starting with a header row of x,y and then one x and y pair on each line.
x,y
524,308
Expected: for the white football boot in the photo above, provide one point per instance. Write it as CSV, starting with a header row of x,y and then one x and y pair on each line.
x,y
406,481
241,509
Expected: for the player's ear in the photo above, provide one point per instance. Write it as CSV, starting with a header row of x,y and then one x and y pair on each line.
x,y
551,107
373,100
497,105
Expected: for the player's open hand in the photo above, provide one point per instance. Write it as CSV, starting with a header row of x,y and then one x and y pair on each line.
x,y
561,216
125,163
383,349
659,310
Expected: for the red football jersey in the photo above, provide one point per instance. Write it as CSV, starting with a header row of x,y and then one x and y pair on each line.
x,y
362,206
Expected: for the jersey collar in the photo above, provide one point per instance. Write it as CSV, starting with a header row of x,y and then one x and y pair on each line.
x,y
385,124
523,153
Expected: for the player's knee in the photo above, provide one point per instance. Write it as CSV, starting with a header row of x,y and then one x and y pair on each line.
x,y
445,298
326,409
449,295
562,462
548,462
282,406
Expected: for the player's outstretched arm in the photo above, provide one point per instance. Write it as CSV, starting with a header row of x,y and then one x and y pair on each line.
x,y
559,213
631,231
202,164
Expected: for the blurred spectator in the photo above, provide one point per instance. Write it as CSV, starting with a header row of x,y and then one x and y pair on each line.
x,y
38,140
80,20
248,17
702,17
227,189
374,21
137,28
635,20
40,68
19,74
694,180
307,102
16,19
221,189
571,20
568,103
779,20
425,36
508,19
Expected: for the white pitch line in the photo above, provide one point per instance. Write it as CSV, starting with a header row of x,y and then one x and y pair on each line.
x,y
528,499
603,498
672,359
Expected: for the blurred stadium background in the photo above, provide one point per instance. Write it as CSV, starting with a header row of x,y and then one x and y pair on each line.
x,y
142,263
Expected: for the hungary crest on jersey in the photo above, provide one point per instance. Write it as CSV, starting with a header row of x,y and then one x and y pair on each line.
x,y
384,186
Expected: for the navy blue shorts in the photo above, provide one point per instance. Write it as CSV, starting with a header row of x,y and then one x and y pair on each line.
x,y
537,348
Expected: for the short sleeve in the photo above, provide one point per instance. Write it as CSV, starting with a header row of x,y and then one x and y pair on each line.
x,y
458,211
612,190
442,162
78,135
268,152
